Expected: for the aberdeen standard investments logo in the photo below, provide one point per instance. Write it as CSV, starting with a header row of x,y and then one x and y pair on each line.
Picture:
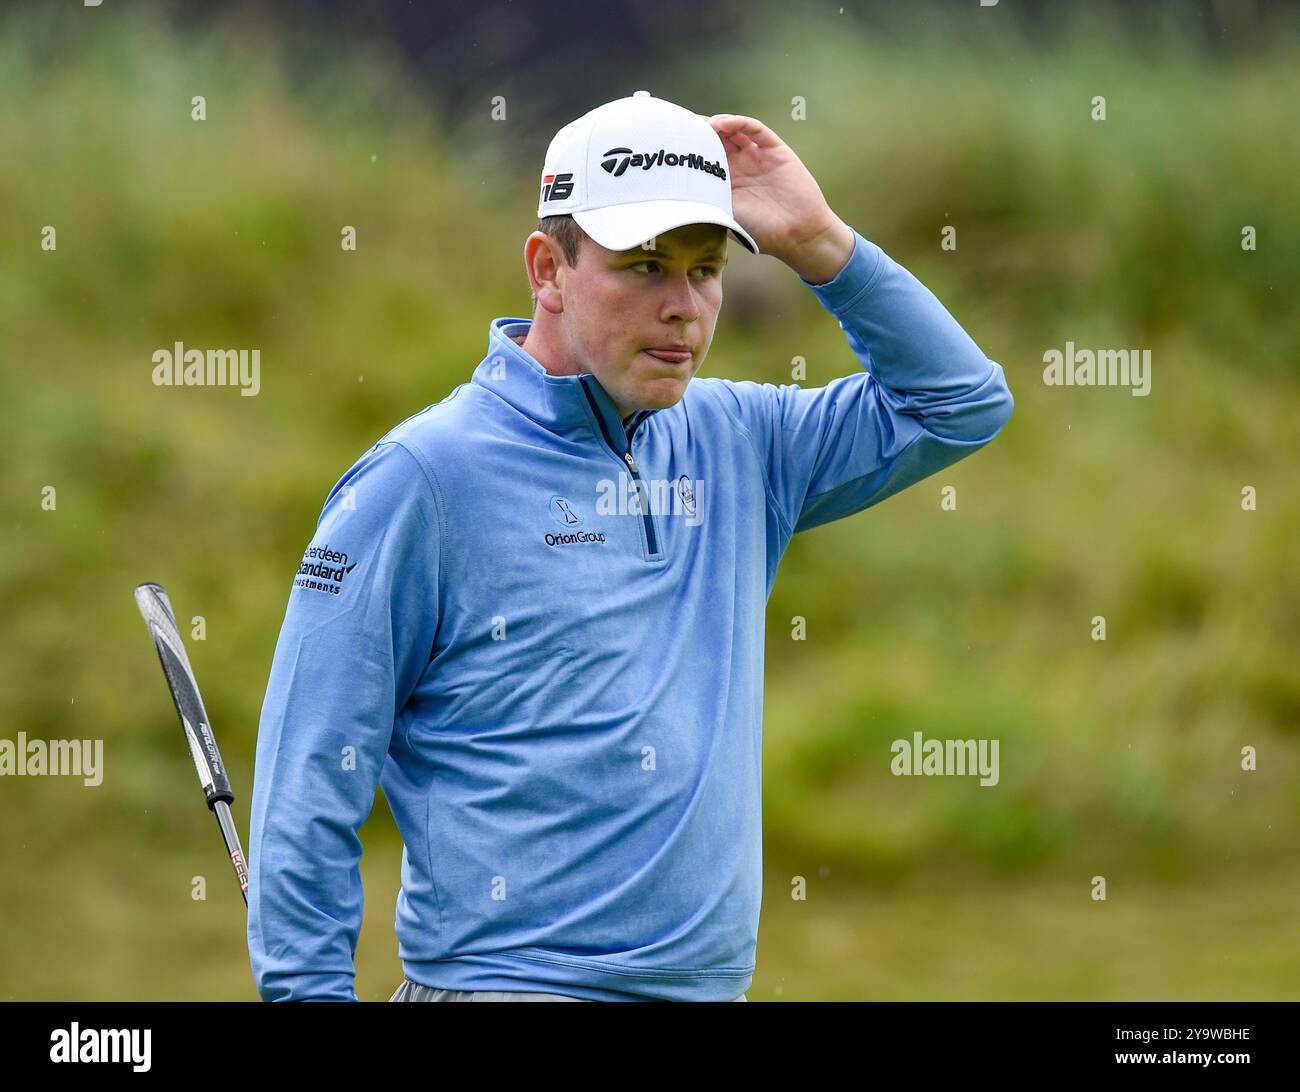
x,y
323,569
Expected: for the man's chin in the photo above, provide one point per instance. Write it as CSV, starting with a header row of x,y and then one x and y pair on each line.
x,y
664,395
664,391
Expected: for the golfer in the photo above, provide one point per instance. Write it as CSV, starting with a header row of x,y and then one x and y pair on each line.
x,y
534,611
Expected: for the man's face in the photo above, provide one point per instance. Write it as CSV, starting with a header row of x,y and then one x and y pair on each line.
x,y
619,304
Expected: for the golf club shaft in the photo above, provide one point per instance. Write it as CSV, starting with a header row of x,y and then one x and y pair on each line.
x,y
227,823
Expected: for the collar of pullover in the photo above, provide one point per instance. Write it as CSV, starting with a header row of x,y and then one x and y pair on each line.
x,y
562,404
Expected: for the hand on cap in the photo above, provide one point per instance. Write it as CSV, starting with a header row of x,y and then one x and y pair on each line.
x,y
775,198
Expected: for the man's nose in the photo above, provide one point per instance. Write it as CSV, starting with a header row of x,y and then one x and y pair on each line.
x,y
679,303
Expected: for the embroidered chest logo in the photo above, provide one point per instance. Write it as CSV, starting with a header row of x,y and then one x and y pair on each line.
x,y
682,496
687,494
567,516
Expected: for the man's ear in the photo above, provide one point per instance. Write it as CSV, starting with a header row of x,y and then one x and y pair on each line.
x,y
542,260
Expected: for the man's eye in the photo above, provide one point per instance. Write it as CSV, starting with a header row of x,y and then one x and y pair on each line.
x,y
709,270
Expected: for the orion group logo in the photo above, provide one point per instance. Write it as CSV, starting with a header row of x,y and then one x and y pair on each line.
x,y
562,512
618,160
566,515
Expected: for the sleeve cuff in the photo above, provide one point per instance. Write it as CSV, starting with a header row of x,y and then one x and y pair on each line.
x,y
308,986
854,279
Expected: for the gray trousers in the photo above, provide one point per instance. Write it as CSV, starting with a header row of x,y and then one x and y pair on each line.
x,y
413,991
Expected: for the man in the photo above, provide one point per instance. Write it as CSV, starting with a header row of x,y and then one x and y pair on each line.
x,y
534,611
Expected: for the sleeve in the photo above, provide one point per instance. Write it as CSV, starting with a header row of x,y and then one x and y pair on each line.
x,y
926,398
358,634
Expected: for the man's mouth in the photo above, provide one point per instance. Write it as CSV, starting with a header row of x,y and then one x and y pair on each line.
x,y
669,356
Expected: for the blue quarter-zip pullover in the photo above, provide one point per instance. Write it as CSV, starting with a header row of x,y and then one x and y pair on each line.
x,y
540,629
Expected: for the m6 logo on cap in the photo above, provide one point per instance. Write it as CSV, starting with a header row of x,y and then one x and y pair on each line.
x,y
556,187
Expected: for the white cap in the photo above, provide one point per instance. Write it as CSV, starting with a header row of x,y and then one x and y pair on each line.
x,y
635,168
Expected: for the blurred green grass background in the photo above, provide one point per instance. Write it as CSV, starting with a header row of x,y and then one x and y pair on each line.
x,y
1119,758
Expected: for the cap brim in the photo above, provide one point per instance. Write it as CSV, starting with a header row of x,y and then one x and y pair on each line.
x,y
622,227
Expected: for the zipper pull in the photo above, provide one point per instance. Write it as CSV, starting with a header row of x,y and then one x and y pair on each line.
x,y
630,461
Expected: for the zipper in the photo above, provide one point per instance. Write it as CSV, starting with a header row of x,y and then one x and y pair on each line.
x,y
626,457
